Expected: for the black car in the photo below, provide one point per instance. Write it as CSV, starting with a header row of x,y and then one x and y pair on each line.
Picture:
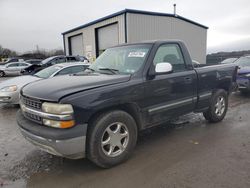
x,y
51,61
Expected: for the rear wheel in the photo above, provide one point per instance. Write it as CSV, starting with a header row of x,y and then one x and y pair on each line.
x,y
111,138
2,74
218,107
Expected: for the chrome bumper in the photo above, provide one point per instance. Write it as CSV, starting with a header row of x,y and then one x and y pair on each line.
x,y
73,148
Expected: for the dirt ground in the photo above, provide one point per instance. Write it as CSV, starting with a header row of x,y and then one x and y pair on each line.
x,y
189,153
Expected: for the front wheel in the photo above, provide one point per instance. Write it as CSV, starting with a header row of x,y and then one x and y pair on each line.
x,y
2,74
218,107
111,138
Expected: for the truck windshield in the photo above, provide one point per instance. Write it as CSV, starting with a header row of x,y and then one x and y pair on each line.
x,y
121,60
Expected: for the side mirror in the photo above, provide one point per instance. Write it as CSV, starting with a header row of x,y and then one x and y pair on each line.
x,y
163,68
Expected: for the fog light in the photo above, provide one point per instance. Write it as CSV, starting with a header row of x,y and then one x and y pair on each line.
x,y
58,124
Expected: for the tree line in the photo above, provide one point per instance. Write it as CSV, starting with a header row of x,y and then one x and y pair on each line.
x,y
34,54
215,58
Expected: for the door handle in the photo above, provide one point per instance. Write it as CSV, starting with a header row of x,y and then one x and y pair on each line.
x,y
188,80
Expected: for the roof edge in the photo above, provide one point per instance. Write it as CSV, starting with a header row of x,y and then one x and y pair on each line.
x,y
96,21
134,12
165,14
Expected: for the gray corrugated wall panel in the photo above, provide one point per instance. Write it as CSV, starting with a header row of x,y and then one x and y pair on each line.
x,y
89,34
147,27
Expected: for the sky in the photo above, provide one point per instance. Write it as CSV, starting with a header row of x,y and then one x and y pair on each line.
x,y
26,24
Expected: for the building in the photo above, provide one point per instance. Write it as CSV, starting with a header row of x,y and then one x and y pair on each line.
x,y
129,26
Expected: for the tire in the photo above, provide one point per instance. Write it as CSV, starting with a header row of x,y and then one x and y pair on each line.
x,y
103,133
217,110
2,74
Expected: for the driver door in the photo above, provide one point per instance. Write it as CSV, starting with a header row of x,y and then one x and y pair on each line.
x,y
172,94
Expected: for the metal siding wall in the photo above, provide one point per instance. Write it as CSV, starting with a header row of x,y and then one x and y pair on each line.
x,y
89,34
147,27
195,38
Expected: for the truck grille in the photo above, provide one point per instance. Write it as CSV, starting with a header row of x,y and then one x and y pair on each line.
x,y
33,117
35,104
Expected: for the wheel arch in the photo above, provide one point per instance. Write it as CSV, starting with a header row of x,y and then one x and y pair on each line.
x,y
225,85
131,108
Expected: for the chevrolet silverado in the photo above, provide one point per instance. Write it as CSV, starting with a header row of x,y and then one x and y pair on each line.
x,y
98,113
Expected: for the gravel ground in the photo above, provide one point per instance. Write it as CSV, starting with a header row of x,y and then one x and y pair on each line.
x,y
187,153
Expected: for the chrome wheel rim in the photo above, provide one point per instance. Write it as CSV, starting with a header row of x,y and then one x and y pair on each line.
x,y
115,139
220,106
1,74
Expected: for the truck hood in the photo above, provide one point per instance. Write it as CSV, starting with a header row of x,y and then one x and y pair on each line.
x,y
53,89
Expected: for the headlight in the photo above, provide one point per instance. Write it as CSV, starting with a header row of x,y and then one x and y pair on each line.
x,y
247,75
60,109
9,88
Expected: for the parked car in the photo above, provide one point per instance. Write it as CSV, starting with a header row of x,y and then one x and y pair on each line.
x,y
83,59
129,88
49,62
11,60
228,60
33,61
243,78
10,89
13,69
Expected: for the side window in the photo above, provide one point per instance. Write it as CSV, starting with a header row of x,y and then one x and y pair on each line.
x,y
52,62
57,61
71,70
12,65
22,64
170,53
77,69
60,60
71,59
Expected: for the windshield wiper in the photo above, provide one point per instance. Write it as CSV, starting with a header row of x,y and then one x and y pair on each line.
x,y
114,71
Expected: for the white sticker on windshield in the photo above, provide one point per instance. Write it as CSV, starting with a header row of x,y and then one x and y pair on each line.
x,y
136,54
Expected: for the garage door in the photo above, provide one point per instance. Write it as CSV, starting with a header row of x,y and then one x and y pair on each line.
x,y
76,45
107,36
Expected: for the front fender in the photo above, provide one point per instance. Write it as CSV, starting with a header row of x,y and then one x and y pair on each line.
x,y
87,103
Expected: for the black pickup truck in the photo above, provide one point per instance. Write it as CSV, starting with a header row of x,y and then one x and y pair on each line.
x,y
98,113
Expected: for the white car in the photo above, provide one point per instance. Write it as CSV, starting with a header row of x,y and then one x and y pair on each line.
x,y
10,89
13,68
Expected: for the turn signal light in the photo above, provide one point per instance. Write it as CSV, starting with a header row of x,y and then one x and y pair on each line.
x,y
59,124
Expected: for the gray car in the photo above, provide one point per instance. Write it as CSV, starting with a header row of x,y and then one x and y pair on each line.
x,y
13,68
9,89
